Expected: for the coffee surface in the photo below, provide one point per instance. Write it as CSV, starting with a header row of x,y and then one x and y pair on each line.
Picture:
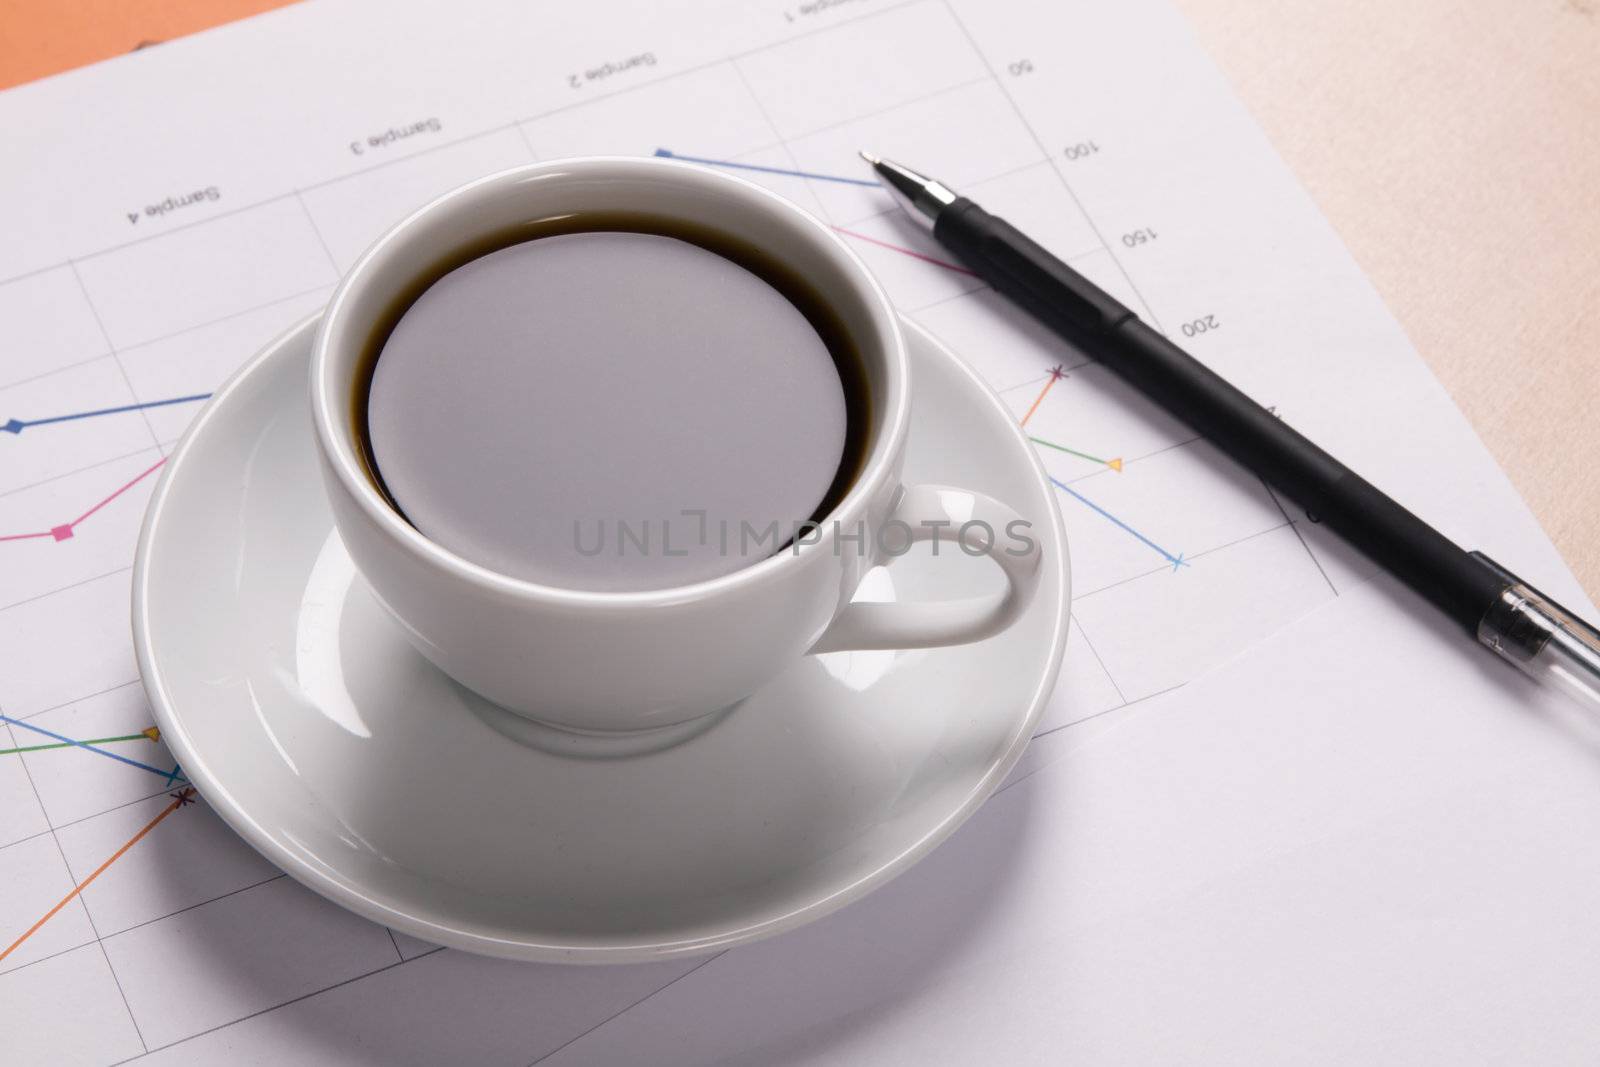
x,y
564,409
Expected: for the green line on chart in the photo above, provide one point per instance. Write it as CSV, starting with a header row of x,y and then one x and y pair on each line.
x,y
152,734
1114,464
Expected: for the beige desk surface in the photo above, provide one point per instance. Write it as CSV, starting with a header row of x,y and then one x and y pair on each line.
x,y
1456,149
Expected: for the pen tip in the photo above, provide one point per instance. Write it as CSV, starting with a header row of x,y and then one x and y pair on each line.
x,y
868,156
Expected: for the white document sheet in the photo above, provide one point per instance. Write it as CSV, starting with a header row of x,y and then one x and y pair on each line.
x,y
174,209
1361,843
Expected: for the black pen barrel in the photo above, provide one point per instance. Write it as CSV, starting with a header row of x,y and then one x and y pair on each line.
x,y
1090,319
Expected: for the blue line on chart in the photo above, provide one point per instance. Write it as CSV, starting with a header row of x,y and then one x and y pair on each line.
x,y
1176,561
171,776
16,426
667,153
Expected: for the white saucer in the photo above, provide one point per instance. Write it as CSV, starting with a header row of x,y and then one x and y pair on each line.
x,y
303,717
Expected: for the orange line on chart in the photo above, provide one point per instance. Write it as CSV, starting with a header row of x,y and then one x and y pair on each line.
x,y
1056,374
179,799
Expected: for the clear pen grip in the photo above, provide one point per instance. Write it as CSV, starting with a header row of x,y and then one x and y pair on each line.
x,y
1545,640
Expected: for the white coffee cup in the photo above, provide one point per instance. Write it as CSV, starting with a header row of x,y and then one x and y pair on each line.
x,y
605,661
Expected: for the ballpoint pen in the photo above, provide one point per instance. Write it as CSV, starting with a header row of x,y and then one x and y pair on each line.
x,y
1503,612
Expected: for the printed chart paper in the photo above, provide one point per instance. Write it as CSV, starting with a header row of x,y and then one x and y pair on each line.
x,y
174,209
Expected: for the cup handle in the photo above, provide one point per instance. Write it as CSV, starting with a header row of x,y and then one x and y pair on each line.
x,y
965,521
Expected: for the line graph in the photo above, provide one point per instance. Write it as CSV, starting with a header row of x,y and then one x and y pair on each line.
x,y
667,153
65,531
1114,464
171,295
1176,561
182,798
16,426
912,252
1056,374
93,746
904,251
149,734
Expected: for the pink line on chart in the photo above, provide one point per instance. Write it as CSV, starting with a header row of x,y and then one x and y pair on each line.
x,y
65,530
913,253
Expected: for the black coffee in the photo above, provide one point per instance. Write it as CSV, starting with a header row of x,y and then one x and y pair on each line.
x,y
612,403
